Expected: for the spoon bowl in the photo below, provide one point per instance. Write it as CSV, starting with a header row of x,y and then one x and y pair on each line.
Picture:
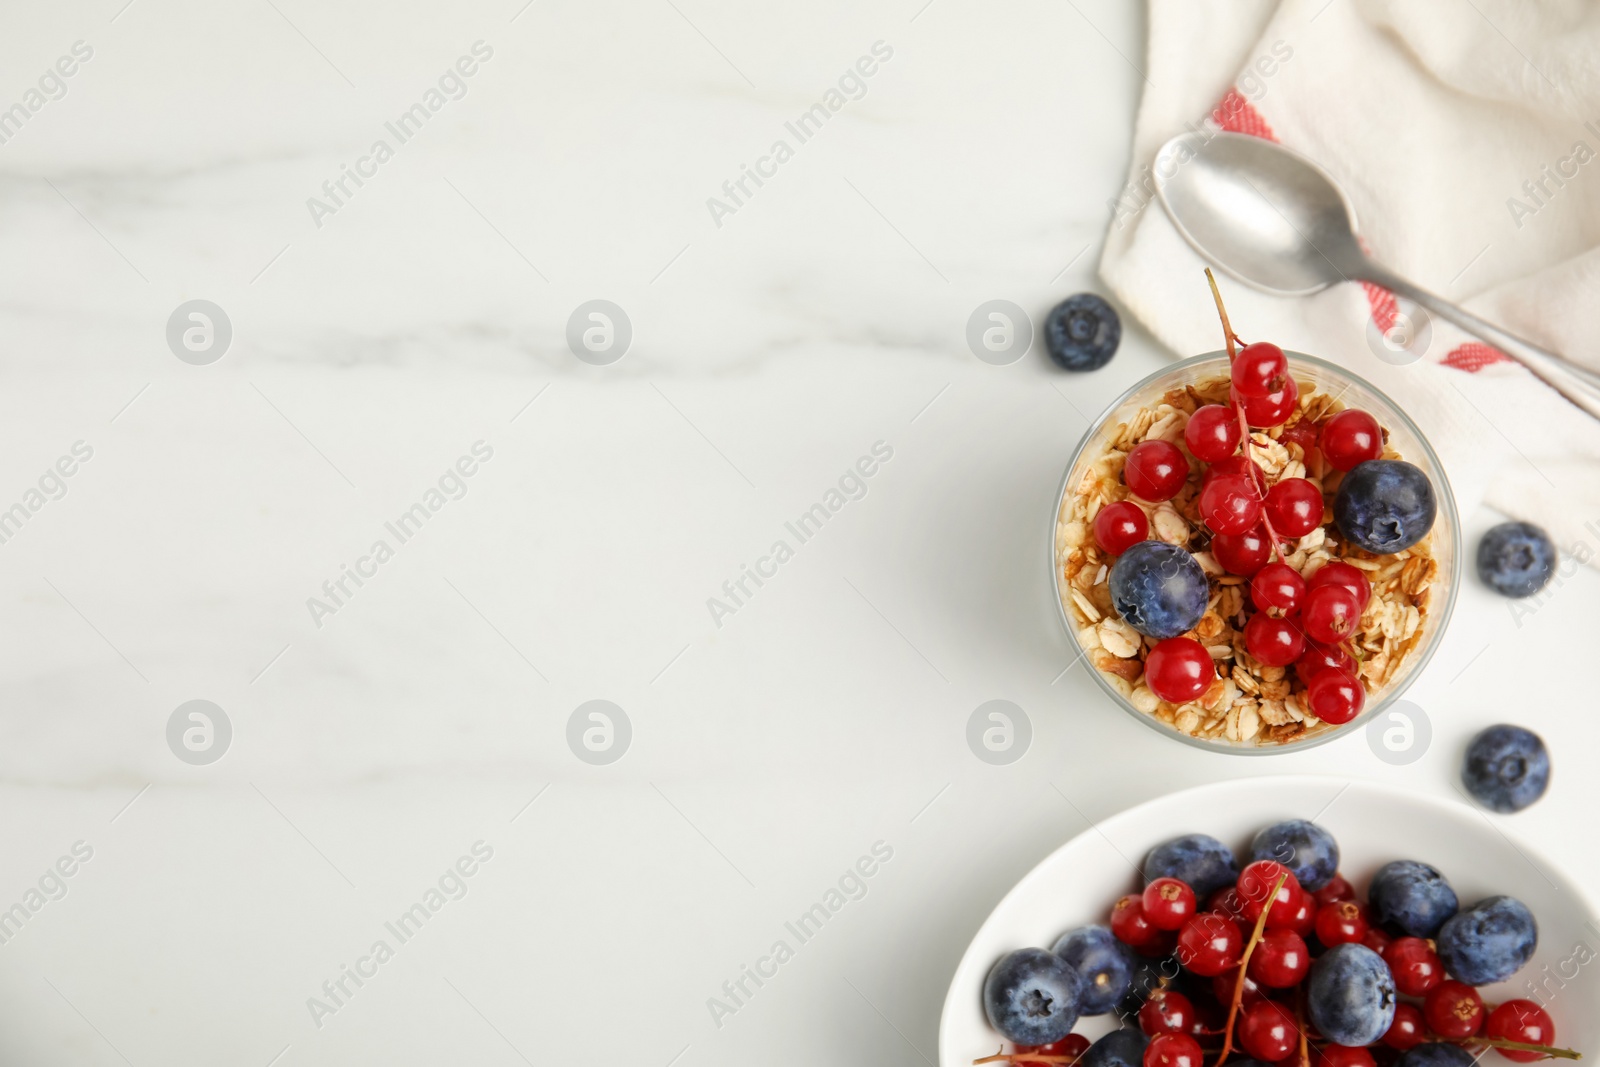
x,y
1277,222
1281,229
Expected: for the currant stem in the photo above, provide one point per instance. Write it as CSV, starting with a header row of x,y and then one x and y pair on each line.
x,y
1244,960
1300,1023
1506,1042
1027,1057
1228,336
1244,442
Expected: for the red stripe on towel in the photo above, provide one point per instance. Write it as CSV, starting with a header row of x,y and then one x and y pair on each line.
x,y
1474,356
1237,115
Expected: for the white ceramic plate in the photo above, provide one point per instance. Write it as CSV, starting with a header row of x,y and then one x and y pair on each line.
x,y
1373,824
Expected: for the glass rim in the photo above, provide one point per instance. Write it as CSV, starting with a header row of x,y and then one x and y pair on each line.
x,y
1447,508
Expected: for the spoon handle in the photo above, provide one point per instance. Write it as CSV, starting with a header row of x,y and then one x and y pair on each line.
x,y
1578,384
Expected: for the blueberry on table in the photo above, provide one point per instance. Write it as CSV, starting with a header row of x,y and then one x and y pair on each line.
x,y
1351,995
1385,505
1119,1048
1437,1054
1031,996
1516,559
1082,332
1159,589
1506,769
1302,846
1203,862
1413,896
1104,964
1488,942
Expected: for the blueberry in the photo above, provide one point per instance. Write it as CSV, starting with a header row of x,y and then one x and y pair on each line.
x,y
1507,768
1351,996
1413,896
1489,942
1304,847
1385,505
1204,862
1146,976
1159,589
1082,332
1119,1048
1031,996
1104,964
1516,559
1436,1054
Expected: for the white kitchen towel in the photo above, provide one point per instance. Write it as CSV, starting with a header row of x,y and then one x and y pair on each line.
x,y
1467,135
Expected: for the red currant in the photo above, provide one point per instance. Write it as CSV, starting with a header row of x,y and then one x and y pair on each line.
x,y
1255,891
1242,554
1172,1050
1331,613
1525,1021
1337,887
1260,369
1226,901
1270,410
1275,642
1319,658
1376,940
1213,433
1453,1009
1335,696
1409,1029
1415,965
1302,918
1280,959
1167,1012
1209,944
1222,988
1267,1031
1129,923
1238,465
1179,669
1343,1056
1120,526
1277,588
1229,505
1155,470
1341,573
1341,922
1168,903
1351,437
1294,506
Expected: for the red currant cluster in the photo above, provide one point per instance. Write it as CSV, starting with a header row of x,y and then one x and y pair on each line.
x,y
1253,946
1307,624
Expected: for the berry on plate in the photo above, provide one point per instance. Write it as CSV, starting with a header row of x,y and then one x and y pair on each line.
x,y
1268,1032
1437,1054
1506,768
1453,1009
1385,505
1412,896
1280,960
1173,1050
1516,559
1168,903
1200,860
1488,942
1308,850
1414,964
1343,922
1167,1012
1209,944
1159,589
1082,332
1265,883
1525,1021
1409,1029
1102,962
1351,996
1119,1048
1031,996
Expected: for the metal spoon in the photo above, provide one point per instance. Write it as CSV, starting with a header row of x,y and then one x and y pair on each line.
x,y
1277,222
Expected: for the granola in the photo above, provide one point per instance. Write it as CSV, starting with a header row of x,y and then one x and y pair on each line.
x,y
1249,703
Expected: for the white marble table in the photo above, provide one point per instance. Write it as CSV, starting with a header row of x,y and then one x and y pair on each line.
x,y
376,339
